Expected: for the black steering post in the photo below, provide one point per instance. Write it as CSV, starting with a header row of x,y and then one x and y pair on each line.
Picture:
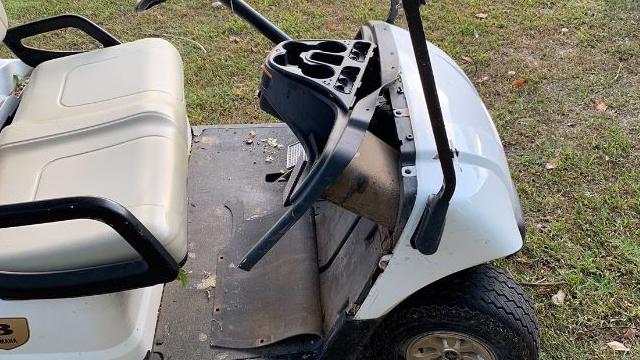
x,y
262,24
427,237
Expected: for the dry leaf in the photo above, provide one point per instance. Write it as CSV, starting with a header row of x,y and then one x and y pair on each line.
x,y
482,15
601,106
618,346
234,39
608,159
564,30
511,73
518,84
482,79
330,26
468,59
558,299
551,164
630,334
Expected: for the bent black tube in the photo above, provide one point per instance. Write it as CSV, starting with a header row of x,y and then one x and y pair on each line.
x,y
419,41
262,24
429,233
156,265
34,57
394,11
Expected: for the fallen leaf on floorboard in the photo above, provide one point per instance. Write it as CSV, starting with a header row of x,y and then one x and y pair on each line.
x,y
207,283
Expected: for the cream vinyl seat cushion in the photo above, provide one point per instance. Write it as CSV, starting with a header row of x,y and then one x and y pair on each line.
x,y
107,123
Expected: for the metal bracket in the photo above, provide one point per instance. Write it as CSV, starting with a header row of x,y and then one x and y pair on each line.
x,y
402,112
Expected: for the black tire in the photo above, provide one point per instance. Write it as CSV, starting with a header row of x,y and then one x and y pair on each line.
x,y
482,303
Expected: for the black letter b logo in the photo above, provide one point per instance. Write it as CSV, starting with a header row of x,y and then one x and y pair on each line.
x,y
5,330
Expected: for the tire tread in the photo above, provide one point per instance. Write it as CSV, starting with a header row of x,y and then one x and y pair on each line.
x,y
485,295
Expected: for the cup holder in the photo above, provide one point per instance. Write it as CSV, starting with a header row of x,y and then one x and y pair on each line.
x,y
317,71
331,47
322,52
325,59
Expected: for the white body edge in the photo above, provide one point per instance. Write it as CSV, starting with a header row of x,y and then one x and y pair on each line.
x,y
481,224
119,326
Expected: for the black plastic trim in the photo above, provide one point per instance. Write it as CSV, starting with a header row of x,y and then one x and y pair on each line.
x,y
34,57
390,69
394,11
431,226
348,337
156,265
145,5
342,145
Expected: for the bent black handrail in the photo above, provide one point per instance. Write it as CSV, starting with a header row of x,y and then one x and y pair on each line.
x,y
34,57
156,265
262,24
429,233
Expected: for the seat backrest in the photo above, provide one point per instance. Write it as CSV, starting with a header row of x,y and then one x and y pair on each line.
x,y
4,22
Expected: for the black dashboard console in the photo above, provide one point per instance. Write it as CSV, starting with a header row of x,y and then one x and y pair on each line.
x,y
326,91
306,84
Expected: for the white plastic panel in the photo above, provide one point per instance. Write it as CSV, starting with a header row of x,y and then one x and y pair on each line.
x,y
481,224
117,326
10,71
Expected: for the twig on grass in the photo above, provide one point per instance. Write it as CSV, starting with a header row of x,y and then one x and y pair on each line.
x,y
542,283
180,38
617,73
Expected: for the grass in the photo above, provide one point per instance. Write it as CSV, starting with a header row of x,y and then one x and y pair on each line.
x,y
583,215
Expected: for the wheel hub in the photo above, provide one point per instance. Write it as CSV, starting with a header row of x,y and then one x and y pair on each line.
x,y
447,346
451,355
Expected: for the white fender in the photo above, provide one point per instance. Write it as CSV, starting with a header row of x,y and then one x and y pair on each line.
x,y
482,222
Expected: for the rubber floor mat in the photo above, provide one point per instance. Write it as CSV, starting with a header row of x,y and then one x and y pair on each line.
x,y
279,299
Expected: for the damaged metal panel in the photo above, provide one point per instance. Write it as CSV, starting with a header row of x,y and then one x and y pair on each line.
x,y
370,186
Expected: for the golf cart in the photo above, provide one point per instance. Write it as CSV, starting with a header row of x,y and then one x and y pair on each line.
x,y
359,227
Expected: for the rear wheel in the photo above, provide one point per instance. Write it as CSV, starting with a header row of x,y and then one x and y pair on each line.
x,y
477,314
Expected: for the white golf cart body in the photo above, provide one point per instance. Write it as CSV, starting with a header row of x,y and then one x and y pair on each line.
x,y
483,224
